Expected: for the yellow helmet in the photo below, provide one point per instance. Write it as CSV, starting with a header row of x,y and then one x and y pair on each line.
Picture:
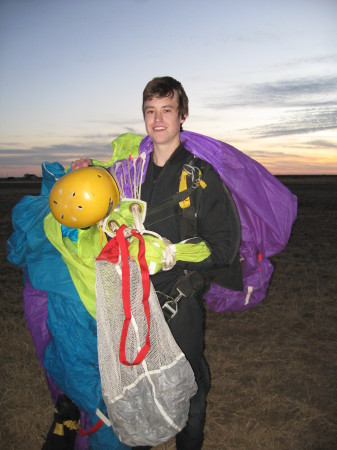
x,y
83,197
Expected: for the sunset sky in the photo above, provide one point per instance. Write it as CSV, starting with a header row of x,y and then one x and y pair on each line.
x,y
260,75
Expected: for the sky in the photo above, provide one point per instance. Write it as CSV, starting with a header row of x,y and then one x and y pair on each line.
x,y
260,75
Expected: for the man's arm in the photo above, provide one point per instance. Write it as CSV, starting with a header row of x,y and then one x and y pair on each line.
x,y
219,223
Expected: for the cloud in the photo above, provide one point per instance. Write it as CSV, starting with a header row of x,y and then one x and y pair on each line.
x,y
92,145
289,163
302,92
299,122
64,153
309,105
303,105
317,60
321,143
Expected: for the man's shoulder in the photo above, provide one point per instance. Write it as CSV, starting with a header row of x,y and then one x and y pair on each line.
x,y
206,168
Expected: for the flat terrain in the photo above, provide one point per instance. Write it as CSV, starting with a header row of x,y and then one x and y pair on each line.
x,y
274,368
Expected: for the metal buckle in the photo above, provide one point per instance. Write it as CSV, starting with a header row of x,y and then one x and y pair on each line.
x,y
172,305
194,172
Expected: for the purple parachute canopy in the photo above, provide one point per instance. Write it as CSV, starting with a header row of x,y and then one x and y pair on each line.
x,y
267,210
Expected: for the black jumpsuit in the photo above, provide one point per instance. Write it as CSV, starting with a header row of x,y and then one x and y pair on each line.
x,y
215,226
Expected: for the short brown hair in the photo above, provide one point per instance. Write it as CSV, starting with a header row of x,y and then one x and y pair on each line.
x,y
164,87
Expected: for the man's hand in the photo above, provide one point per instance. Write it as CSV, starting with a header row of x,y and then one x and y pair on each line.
x,y
79,163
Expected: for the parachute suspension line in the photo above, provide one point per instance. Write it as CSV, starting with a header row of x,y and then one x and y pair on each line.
x,y
142,157
124,179
121,181
134,162
130,179
135,209
129,173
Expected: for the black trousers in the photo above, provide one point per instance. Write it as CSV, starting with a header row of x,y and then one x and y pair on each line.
x,y
192,436
188,329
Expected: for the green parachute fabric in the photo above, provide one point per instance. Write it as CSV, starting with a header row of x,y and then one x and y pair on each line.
x,y
79,257
79,248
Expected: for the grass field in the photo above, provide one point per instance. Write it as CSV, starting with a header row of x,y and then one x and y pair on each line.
x,y
274,368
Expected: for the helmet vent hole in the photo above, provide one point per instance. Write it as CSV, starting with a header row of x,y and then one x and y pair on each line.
x,y
99,175
72,194
61,216
79,207
55,202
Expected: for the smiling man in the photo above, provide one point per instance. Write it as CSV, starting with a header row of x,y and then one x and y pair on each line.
x,y
205,219
163,121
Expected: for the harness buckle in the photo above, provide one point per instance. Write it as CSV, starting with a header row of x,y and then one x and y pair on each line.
x,y
171,306
193,171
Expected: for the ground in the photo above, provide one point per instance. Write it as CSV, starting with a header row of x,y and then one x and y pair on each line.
x,y
274,367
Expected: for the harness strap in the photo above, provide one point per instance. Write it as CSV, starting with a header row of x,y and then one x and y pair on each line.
x,y
186,286
166,208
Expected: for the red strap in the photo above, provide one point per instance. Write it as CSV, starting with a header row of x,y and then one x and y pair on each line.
x,y
123,246
92,430
110,252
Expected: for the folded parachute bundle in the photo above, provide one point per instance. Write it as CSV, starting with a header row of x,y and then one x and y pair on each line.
x,y
63,330
146,380
60,265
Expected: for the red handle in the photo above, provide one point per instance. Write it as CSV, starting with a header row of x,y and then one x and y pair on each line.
x,y
123,245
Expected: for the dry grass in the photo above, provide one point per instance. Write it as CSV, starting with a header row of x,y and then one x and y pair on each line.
x,y
273,368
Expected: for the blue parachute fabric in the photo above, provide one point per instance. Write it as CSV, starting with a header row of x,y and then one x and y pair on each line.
x,y
66,336
51,172
71,233
267,210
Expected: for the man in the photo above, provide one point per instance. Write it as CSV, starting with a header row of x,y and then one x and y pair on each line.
x,y
165,109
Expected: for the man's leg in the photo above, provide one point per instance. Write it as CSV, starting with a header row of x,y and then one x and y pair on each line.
x,y
192,436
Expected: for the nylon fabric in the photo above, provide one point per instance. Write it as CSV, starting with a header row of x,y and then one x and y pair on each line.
x,y
147,403
267,210
63,332
79,257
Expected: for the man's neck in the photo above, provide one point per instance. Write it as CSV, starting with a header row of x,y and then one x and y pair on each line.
x,y
161,154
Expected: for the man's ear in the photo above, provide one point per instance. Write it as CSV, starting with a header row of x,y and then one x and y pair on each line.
x,y
182,119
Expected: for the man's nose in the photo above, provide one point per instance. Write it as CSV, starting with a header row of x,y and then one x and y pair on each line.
x,y
158,116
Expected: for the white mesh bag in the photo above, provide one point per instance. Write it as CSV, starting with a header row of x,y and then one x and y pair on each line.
x,y
147,403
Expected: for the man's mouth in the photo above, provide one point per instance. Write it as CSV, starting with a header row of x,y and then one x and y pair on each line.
x,y
159,128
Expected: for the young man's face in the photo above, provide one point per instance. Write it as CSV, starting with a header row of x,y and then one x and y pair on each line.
x,y
162,121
